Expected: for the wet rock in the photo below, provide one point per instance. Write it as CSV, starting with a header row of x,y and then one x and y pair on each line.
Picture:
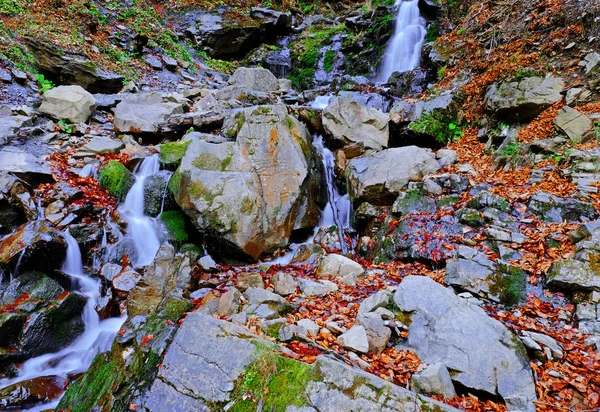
x,y
204,120
117,179
104,145
126,280
246,195
435,379
229,302
164,281
554,209
346,270
347,121
312,288
525,99
70,103
43,316
577,126
377,178
35,245
257,78
446,103
284,284
31,392
157,197
446,329
144,112
70,68
355,339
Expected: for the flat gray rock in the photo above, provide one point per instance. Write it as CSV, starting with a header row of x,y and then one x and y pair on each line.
x,y
480,351
377,178
104,145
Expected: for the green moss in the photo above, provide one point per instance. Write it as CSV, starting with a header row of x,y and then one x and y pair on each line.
x,y
176,308
175,183
226,162
172,153
117,179
102,378
448,201
194,251
174,220
440,127
328,61
274,380
247,206
198,190
207,161
508,284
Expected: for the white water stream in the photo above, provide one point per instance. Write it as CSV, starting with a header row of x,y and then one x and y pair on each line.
x,y
404,49
142,229
96,338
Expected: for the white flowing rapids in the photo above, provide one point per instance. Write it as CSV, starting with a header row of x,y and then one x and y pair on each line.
x,y
96,338
404,50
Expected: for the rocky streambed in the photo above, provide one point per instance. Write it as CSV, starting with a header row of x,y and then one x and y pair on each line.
x,y
204,241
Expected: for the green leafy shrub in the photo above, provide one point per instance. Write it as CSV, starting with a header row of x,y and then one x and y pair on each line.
x,y
44,83
440,127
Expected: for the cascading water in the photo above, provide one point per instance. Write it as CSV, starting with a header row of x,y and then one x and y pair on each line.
x,y
97,336
142,229
404,50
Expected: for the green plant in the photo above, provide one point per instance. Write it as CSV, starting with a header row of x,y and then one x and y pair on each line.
x,y
461,31
442,128
65,127
44,83
521,74
328,61
10,7
268,4
441,72
433,32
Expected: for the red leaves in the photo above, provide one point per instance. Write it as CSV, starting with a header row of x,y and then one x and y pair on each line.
x,y
92,191
146,339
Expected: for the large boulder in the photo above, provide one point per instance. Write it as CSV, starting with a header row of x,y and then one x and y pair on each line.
x,y
524,99
249,194
377,178
347,121
221,37
480,352
257,78
144,112
70,68
39,316
209,356
36,245
70,103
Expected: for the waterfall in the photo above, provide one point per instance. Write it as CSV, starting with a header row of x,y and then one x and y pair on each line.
x,y
403,52
96,338
141,229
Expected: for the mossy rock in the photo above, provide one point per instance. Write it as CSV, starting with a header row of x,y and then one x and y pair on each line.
x,y
174,221
117,179
194,251
172,153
